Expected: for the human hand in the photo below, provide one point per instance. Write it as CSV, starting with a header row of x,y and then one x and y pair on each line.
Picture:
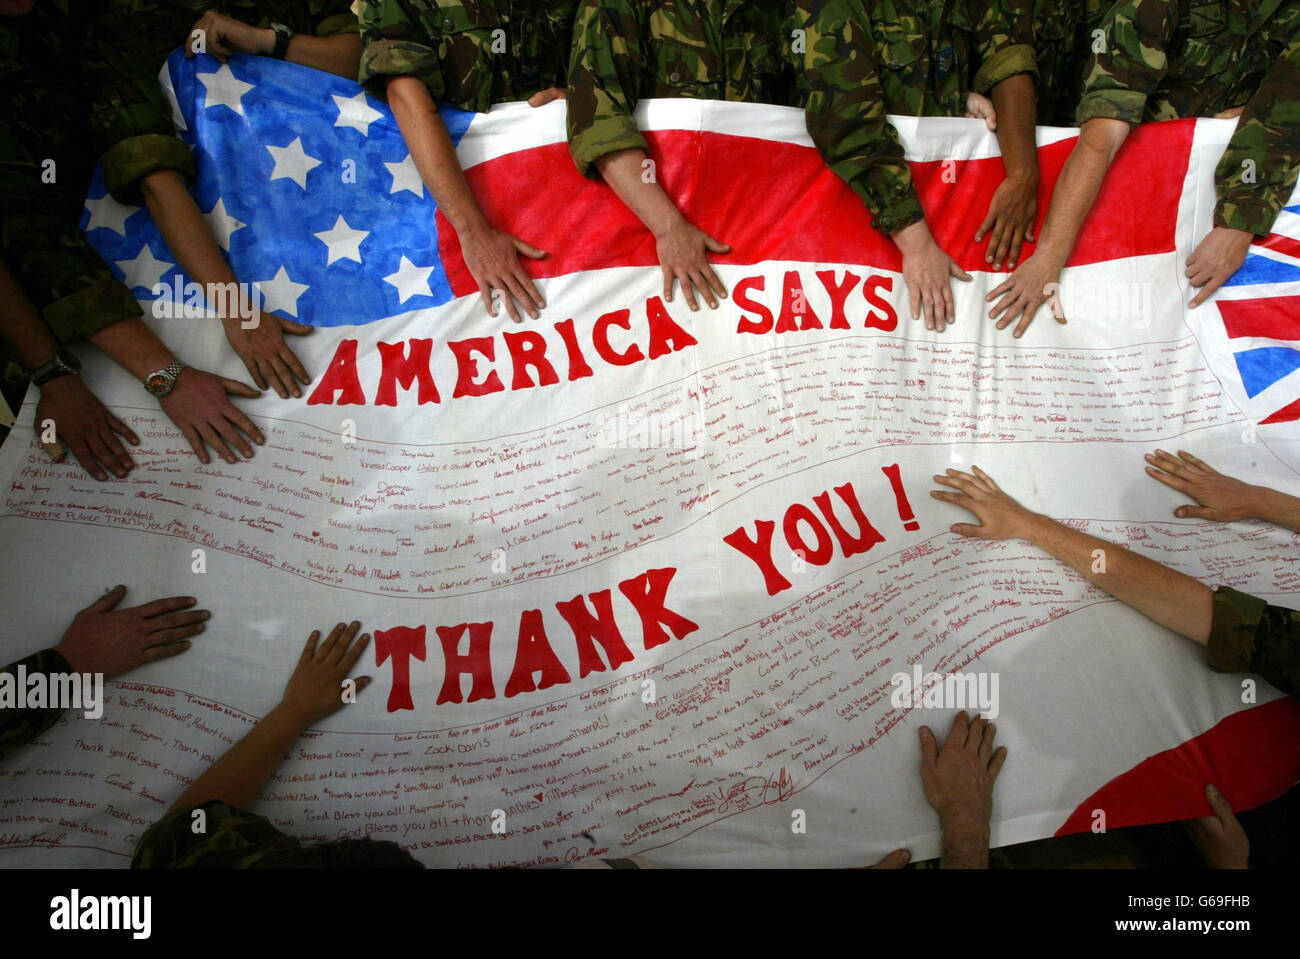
x,y
1000,517
85,426
1009,222
225,35
928,273
958,779
543,97
1215,259
315,690
683,257
492,258
898,859
112,641
1219,838
198,406
1035,282
266,356
1220,498
980,107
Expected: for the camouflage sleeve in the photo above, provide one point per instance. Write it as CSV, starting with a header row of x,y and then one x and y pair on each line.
x,y
129,115
66,280
1249,636
845,113
608,62
1257,173
1128,68
393,45
224,837
1004,41
18,726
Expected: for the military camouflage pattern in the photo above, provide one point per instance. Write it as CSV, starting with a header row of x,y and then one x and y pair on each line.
x,y
1057,35
470,54
43,136
628,50
838,85
932,52
1250,636
1166,59
126,42
19,726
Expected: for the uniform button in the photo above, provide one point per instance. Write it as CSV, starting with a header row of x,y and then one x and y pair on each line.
x,y
447,24
675,78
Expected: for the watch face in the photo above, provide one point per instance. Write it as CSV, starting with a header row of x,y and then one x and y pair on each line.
x,y
158,383
69,361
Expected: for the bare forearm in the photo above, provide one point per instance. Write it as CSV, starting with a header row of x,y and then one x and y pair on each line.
x,y
21,324
964,846
1173,599
624,171
1080,181
182,225
1274,506
241,774
133,346
340,55
1017,111
434,154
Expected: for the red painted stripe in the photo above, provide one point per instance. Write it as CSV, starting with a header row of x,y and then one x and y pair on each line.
x,y
1277,317
1287,414
779,201
1280,243
1251,756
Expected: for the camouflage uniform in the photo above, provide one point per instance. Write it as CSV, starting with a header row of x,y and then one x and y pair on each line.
x,y
932,53
1166,59
18,726
628,50
43,134
838,85
470,54
1055,37
1250,636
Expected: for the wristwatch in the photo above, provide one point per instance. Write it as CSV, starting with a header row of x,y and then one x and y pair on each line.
x,y
282,37
160,382
61,364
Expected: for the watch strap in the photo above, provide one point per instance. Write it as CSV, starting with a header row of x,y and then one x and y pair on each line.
x,y
60,364
282,37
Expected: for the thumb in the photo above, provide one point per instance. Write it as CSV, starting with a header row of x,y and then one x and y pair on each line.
x,y
895,860
108,601
716,246
236,388
1194,512
297,329
957,271
1219,803
528,250
965,529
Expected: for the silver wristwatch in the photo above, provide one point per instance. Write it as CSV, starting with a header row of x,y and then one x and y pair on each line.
x,y
160,382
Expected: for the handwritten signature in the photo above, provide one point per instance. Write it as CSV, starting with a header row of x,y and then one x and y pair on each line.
x,y
756,791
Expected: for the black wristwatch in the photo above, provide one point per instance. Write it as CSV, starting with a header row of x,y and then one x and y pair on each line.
x,y
62,364
282,37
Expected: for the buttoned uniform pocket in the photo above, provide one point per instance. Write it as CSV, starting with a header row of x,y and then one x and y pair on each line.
x,y
684,68
473,47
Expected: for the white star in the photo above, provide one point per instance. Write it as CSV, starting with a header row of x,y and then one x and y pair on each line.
x,y
281,293
223,224
410,280
145,270
224,89
343,242
406,177
356,113
292,163
107,212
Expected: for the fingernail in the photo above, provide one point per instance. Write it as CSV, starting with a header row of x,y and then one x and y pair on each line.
x,y
205,615
1213,790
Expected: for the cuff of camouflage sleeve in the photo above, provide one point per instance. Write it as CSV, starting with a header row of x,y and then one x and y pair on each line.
x,y
382,59
897,216
1006,63
1245,213
1231,647
1126,105
605,136
129,161
92,308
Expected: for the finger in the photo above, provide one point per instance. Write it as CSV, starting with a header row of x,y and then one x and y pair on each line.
x,y
949,310
999,758
254,368
986,478
948,481
1000,291
1200,277
275,375
326,649
340,648
241,420
1026,318
702,286
486,295
986,743
927,306
975,733
168,637
528,250
688,290
716,246
929,748
166,651
236,388
997,245
914,297
533,298
309,650
1196,512
1219,803
956,499
121,429
355,652
234,438
196,443
958,272
56,452
668,285
1173,482
176,619
1169,464
100,450
161,607
294,328
88,460
989,219
213,439
895,860
285,375
108,601
715,282
512,292
960,727
1207,291
1012,308
967,530
962,479
1197,463
1013,254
